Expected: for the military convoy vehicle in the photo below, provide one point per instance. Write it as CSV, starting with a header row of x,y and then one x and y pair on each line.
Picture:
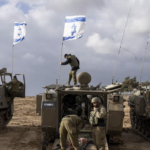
x,y
58,101
114,87
139,103
6,101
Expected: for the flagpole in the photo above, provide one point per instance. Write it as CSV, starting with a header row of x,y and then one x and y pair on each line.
x,y
60,64
12,59
143,61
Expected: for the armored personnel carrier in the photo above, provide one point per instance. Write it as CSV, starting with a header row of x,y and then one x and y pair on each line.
x,y
114,87
139,103
7,101
58,101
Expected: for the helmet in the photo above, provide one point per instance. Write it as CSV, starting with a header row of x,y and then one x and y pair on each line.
x,y
89,97
96,99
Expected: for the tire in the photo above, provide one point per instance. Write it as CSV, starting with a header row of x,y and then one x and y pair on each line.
x,y
1,122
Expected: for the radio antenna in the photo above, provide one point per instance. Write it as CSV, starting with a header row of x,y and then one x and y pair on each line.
x,y
120,45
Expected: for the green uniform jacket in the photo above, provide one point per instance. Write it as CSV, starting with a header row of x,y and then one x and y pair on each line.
x,y
76,122
73,62
98,116
14,83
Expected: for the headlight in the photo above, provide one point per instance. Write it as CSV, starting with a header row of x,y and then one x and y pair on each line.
x,y
116,98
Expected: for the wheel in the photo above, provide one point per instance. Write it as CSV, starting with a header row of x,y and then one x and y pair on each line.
x,y
136,122
9,114
139,125
132,118
1,122
143,127
147,130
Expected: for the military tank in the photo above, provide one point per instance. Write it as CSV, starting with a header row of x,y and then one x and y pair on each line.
x,y
7,101
139,103
58,101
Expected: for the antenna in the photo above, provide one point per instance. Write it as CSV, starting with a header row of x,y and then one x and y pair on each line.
x,y
130,52
120,45
143,61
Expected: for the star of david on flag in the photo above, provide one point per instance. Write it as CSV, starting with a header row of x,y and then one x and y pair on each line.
x,y
19,32
74,27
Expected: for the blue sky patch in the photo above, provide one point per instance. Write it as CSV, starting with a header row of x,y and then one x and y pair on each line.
x,y
24,7
3,2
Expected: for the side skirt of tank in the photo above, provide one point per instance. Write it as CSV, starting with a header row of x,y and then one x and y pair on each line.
x,y
140,125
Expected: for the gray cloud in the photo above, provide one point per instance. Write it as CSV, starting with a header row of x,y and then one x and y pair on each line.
x,y
38,55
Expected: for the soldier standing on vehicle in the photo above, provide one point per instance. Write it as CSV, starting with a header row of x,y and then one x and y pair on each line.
x,y
13,86
70,125
74,63
97,120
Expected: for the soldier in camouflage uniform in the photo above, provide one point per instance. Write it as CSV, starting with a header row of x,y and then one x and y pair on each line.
x,y
13,86
74,63
70,125
97,120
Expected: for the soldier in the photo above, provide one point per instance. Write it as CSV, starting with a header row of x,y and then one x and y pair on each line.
x,y
74,63
70,125
97,120
13,88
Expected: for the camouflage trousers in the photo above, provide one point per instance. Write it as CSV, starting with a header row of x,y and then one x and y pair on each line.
x,y
72,74
99,137
65,130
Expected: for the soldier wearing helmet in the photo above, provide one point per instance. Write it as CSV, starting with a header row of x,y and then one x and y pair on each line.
x,y
97,121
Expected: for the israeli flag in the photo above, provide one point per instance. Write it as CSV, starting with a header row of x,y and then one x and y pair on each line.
x,y
19,32
74,27
149,38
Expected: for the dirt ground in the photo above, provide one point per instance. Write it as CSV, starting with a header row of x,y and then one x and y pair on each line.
x,y
130,139
24,132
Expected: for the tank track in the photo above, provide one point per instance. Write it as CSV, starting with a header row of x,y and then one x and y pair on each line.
x,y
5,116
140,124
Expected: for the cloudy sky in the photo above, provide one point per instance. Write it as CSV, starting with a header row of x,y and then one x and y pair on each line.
x,y
38,56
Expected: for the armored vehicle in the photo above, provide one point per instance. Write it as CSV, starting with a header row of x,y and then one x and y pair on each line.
x,y
139,103
7,101
58,101
114,87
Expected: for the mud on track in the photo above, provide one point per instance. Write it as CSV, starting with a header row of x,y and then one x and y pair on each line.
x,y
24,131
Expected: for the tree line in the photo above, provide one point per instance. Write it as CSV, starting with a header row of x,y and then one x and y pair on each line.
x,y
129,84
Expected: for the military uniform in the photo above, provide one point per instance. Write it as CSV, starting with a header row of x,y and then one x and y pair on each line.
x,y
14,87
97,120
74,63
70,125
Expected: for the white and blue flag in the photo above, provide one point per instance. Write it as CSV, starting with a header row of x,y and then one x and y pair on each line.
x,y
74,27
149,38
19,32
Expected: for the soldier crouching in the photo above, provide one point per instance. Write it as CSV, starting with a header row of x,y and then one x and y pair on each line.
x,y
70,126
97,120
